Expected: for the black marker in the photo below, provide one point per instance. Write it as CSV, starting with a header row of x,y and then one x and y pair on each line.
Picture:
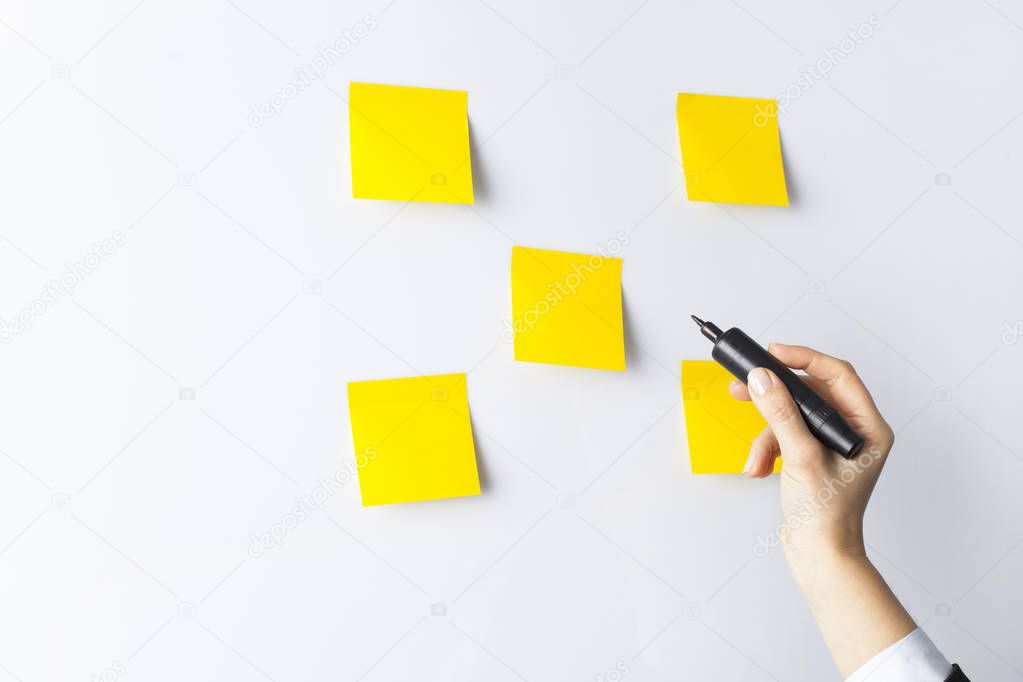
x,y
740,354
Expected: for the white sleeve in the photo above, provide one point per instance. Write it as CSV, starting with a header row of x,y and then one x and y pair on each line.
x,y
914,658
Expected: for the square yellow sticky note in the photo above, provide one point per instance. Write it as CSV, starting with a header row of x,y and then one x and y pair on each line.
x,y
413,439
731,150
409,144
567,308
719,428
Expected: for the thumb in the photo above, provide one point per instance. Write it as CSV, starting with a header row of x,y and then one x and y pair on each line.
x,y
775,403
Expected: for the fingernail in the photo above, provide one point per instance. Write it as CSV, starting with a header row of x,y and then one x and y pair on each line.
x,y
749,464
759,380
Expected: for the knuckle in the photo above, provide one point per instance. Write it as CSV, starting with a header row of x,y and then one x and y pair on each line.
x,y
781,410
765,442
887,437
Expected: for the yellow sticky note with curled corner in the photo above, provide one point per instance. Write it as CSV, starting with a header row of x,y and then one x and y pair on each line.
x,y
413,439
719,428
567,308
731,149
409,144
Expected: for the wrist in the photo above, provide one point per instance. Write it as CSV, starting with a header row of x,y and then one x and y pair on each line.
x,y
812,556
857,612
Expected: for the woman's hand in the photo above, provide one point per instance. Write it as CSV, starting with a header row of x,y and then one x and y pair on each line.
x,y
824,497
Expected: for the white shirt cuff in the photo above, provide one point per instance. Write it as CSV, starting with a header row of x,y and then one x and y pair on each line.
x,y
914,658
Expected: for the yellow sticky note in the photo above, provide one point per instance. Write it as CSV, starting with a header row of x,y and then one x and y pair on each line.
x,y
567,308
731,150
719,428
409,144
413,439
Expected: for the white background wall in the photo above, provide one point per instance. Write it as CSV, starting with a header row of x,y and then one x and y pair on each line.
x,y
124,506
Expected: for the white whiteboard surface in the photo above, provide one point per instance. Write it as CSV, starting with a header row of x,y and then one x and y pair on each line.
x,y
128,505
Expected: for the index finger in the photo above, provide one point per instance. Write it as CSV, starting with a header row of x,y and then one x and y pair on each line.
x,y
848,392
828,369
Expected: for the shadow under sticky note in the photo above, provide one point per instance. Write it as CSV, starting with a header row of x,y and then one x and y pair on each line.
x,y
719,428
731,150
413,439
567,308
409,144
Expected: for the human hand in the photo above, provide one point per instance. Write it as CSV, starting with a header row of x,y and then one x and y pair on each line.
x,y
824,496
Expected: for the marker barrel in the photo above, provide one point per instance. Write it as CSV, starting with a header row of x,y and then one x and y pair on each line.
x,y
740,354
